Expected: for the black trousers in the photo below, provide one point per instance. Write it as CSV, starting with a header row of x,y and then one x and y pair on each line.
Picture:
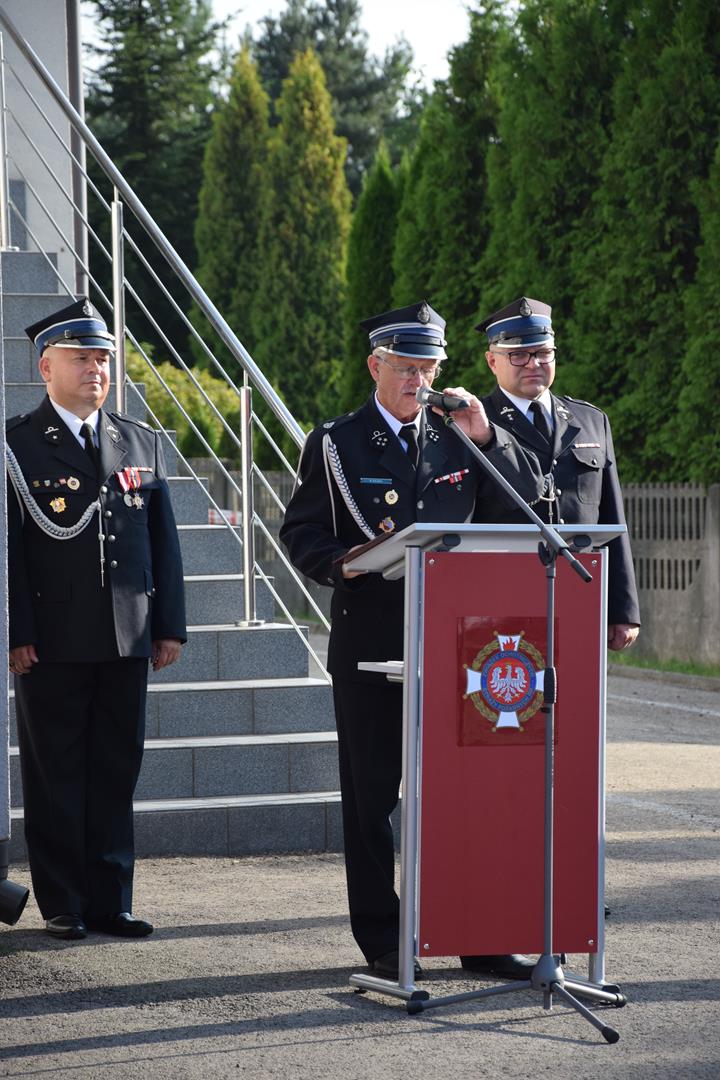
x,y
81,730
369,725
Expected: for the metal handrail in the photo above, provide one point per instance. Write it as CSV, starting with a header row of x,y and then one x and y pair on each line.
x,y
124,195
198,294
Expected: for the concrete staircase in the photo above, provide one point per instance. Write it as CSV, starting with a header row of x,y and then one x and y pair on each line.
x,y
240,754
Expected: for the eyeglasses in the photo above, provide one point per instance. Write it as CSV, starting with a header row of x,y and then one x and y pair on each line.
x,y
521,357
410,371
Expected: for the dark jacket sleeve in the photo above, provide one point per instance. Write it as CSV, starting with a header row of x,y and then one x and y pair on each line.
x,y
168,611
623,605
309,529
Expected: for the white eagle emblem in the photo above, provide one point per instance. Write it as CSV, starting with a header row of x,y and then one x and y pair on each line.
x,y
511,684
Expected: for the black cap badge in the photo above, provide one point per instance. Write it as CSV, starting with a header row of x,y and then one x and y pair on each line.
x,y
424,314
88,308
524,308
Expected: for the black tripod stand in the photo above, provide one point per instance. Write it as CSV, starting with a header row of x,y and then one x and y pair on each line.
x,y
547,977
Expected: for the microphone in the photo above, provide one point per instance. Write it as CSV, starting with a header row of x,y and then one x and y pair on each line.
x,y
448,402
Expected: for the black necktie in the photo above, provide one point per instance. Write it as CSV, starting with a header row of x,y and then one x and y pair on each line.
x,y
92,452
409,433
541,421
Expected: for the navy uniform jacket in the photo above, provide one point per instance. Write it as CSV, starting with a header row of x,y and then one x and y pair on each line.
x,y
355,475
584,472
56,599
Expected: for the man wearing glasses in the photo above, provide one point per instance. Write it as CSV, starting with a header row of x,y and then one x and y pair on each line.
x,y
376,470
571,439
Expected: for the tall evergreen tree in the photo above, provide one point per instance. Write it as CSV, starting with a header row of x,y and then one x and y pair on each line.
x,y
367,93
226,230
148,102
642,258
369,270
443,220
297,314
554,76
694,428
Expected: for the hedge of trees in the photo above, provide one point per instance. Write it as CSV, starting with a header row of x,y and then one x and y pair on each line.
x,y
573,154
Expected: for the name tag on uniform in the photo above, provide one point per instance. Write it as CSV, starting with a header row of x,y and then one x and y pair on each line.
x,y
586,445
386,480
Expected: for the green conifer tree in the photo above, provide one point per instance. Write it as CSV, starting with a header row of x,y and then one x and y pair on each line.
x,y
634,270
226,231
297,315
369,271
694,429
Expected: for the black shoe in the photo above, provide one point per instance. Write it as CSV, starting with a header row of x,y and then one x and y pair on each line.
x,y
70,927
505,965
122,924
387,966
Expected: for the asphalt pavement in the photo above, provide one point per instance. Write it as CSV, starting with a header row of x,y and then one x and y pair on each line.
x,y
247,971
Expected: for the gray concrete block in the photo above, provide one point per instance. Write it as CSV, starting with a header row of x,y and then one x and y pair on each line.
x,y
189,500
314,768
21,361
30,272
182,832
333,826
198,660
23,309
18,198
17,851
211,712
290,708
166,773
16,798
256,830
210,549
220,599
263,652
169,445
241,770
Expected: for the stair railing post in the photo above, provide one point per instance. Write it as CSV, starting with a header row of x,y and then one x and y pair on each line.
x,y
118,285
248,506
4,184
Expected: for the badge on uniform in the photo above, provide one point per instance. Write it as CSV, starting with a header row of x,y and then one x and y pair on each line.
x,y
58,505
387,525
129,480
391,497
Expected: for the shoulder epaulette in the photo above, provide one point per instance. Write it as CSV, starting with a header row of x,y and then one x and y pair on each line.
x,y
124,418
331,425
15,421
579,401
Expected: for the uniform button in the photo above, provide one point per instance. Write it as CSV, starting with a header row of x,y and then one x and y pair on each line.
x,y
103,490
562,521
344,611
113,565
111,538
554,461
108,514
420,504
558,491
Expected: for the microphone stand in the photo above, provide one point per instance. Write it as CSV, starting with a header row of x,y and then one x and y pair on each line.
x,y
547,977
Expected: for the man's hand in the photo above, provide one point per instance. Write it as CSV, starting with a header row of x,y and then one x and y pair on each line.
x,y
473,420
346,571
620,635
22,658
164,652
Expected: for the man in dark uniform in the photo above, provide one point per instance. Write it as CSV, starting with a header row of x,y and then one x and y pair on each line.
x,y
96,589
376,470
572,441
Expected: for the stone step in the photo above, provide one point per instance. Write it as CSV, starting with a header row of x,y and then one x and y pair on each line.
x,y
189,499
23,309
222,652
203,767
21,361
229,826
218,598
30,272
210,549
232,707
